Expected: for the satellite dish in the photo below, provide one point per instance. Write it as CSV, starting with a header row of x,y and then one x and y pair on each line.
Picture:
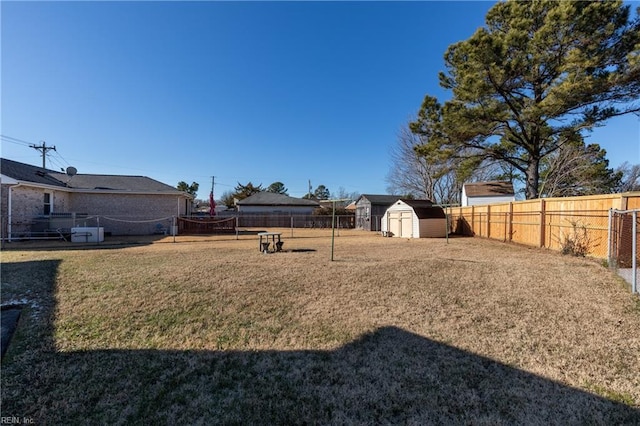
x,y
72,171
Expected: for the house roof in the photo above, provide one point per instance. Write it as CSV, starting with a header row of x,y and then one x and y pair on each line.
x,y
27,173
383,200
265,198
417,203
487,189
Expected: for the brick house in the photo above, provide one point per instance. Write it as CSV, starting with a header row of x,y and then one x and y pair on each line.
x,y
35,201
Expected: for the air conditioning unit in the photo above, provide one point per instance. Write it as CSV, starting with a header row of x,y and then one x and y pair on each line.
x,y
87,234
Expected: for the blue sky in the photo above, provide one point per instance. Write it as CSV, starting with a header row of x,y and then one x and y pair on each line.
x,y
243,91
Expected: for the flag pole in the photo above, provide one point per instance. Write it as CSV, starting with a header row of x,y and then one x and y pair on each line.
x,y
212,202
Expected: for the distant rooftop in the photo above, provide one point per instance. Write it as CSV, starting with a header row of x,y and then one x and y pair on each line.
x,y
486,189
272,199
37,175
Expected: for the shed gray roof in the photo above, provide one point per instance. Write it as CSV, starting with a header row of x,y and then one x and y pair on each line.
x,y
265,198
382,200
487,189
37,175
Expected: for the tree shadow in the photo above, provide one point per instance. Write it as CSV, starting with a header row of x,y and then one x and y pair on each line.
x,y
389,375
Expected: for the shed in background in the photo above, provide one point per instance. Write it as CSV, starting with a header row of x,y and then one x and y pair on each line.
x,y
414,219
370,209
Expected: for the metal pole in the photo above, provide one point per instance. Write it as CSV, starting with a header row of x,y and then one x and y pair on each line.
x,y
291,214
333,228
634,235
10,216
447,230
609,237
237,223
173,229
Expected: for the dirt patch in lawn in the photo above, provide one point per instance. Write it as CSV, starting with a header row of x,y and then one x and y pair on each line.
x,y
393,330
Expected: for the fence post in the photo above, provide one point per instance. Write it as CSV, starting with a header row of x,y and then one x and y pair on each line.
x,y
634,250
173,228
609,236
473,218
542,221
510,220
489,221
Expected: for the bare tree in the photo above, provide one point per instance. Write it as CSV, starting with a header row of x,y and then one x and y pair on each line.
x,y
630,177
577,169
343,195
419,176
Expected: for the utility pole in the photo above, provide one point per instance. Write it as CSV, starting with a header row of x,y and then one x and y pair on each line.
x,y
43,149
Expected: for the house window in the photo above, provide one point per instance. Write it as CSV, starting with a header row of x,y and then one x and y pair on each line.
x,y
47,204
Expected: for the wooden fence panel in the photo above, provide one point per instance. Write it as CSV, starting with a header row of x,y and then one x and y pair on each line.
x,y
550,222
525,222
499,221
632,202
479,221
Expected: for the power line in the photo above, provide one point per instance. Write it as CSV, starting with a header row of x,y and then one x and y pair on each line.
x,y
57,163
16,141
64,160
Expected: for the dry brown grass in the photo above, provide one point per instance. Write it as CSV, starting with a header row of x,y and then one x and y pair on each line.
x,y
211,330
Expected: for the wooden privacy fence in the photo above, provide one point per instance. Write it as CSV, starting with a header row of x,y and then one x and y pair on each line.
x,y
548,222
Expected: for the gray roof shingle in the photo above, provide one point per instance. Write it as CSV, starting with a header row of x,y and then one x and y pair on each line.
x,y
38,175
380,199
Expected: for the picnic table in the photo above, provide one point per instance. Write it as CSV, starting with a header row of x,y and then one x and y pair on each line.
x,y
265,242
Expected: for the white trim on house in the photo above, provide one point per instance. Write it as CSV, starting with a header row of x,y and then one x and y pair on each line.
x,y
6,180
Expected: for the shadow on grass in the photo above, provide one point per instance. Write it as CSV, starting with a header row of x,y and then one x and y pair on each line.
x,y
387,376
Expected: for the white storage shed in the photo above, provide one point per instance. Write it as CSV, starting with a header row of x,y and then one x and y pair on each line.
x,y
414,219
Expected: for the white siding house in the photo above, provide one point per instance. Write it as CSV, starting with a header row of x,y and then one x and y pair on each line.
x,y
481,193
414,219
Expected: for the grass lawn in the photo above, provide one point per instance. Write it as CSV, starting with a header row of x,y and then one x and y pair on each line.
x,y
209,330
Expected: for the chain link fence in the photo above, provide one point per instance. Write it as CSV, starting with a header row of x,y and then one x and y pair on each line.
x,y
63,225
624,228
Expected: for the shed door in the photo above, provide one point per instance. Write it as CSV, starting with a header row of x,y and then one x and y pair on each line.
x,y
400,223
